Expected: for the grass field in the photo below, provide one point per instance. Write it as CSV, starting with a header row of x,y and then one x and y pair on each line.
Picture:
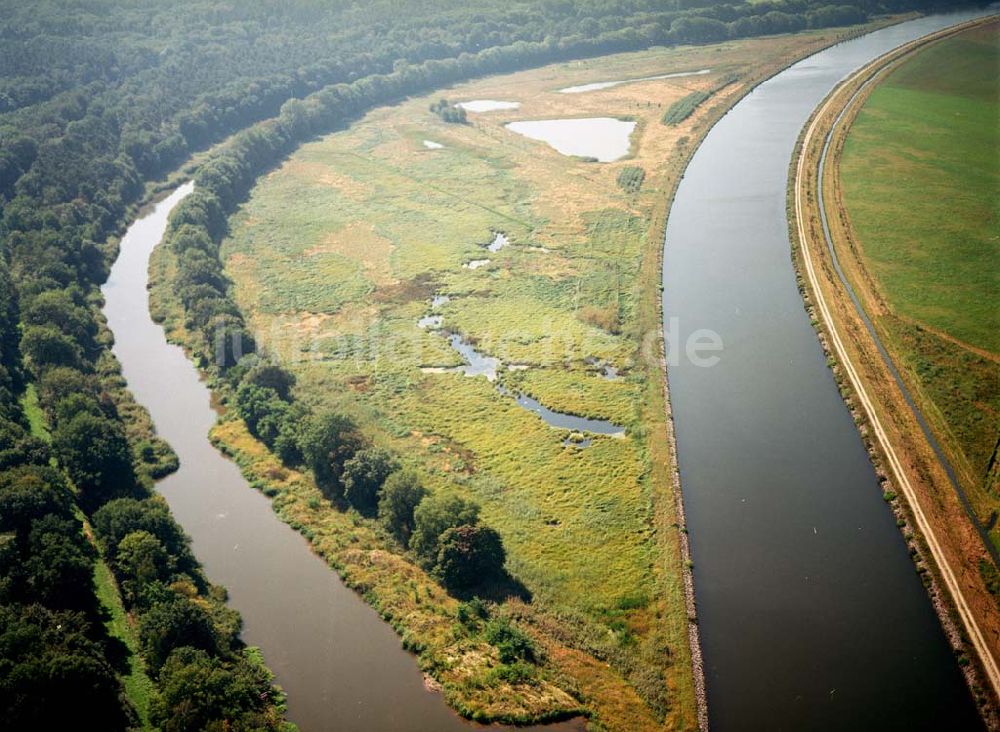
x,y
338,253
920,173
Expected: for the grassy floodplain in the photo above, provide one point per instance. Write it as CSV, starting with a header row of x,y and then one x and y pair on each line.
x,y
338,253
920,174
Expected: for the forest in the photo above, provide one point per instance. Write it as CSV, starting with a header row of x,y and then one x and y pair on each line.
x,y
100,100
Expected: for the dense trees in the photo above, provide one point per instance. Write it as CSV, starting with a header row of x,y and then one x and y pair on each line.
x,y
175,622
95,453
51,641
119,519
200,691
441,529
54,670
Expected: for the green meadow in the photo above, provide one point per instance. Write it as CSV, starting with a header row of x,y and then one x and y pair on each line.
x,y
921,179
338,253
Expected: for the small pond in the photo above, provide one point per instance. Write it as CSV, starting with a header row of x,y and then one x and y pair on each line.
x,y
487,105
598,85
602,138
569,421
498,243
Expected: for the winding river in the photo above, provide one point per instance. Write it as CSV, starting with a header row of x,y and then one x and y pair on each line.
x,y
810,612
344,669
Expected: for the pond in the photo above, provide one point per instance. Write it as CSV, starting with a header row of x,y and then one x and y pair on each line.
x,y
569,421
487,105
498,243
598,85
604,139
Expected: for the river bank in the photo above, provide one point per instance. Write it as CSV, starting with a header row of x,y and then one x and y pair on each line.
x,y
932,516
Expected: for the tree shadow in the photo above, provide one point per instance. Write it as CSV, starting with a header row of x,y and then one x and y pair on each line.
x,y
497,588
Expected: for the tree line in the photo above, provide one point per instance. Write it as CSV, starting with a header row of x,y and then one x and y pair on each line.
x,y
443,531
58,657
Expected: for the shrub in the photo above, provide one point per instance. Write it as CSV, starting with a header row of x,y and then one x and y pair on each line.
x,y
512,642
684,107
436,514
630,178
449,112
468,556
402,492
363,477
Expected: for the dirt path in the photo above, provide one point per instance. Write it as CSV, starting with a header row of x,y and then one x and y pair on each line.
x,y
810,251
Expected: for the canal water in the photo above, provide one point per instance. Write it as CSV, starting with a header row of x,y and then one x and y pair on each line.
x,y
810,611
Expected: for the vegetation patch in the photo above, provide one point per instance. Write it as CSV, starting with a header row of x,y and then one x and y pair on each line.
x,y
573,284
921,193
630,178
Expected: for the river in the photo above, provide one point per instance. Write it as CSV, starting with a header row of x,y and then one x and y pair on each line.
x,y
810,612
344,669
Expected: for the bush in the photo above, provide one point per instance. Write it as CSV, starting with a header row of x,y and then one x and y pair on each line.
x,y
630,178
402,492
449,112
436,514
512,642
363,477
329,441
468,556
684,107
471,612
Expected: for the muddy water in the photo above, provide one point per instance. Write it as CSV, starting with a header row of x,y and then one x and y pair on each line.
x,y
810,611
343,668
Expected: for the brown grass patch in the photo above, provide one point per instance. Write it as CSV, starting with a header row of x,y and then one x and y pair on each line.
x,y
359,241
